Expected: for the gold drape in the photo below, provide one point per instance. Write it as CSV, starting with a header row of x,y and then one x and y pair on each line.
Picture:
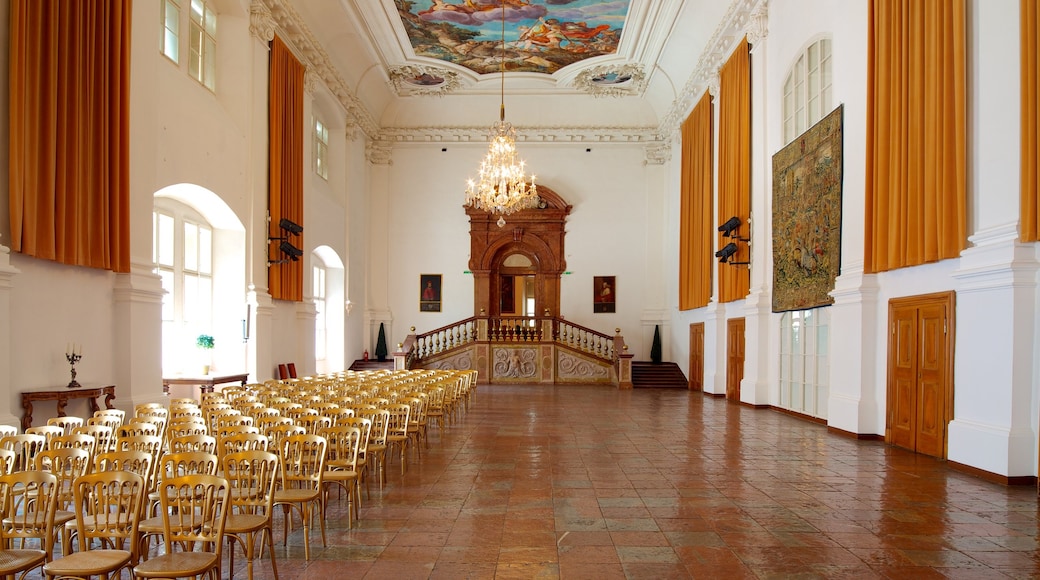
x,y
915,182
735,166
286,167
69,156
1030,22
695,227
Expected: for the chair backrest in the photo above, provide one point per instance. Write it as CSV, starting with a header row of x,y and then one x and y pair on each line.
x,y
265,423
48,431
193,510
232,420
252,476
78,441
116,413
181,411
102,434
8,430
365,425
398,420
66,423
135,428
139,462
66,464
107,505
7,459
21,523
303,461
283,371
314,423
243,442
380,424
186,426
174,465
343,446
277,435
25,446
193,442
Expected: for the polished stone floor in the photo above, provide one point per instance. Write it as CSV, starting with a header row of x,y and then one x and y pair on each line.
x,y
591,482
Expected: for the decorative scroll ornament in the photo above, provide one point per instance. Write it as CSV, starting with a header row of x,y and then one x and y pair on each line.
x,y
423,80
261,22
612,81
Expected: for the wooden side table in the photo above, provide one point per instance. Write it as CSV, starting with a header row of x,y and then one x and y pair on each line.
x,y
206,383
62,397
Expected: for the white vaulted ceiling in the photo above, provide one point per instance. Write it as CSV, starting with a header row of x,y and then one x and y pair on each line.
x,y
667,53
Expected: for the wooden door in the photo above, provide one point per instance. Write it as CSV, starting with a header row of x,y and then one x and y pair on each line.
x,y
734,357
920,365
696,382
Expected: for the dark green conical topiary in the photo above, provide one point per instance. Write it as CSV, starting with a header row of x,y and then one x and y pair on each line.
x,y
381,344
655,349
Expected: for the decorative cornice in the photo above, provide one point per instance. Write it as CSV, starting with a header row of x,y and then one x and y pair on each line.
x,y
658,153
758,24
611,80
556,134
261,23
379,153
741,15
297,33
402,80
310,81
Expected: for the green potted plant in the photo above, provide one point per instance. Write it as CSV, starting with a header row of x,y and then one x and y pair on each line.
x,y
205,342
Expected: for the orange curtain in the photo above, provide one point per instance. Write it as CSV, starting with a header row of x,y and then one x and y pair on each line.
x,y
69,156
1030,22
695,251
916,184
735,166
286,168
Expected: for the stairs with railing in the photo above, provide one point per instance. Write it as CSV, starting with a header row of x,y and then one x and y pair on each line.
x,y
519,349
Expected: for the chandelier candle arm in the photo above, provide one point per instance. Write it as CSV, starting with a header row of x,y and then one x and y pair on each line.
x,y
502,187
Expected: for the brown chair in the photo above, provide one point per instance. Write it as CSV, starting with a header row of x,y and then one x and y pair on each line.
x,y
107,506
283,372
292,370
303,465
252,476
375,455
341,466
20,523
193,516
397,432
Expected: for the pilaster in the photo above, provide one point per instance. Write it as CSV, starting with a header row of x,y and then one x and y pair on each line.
x,y
855,388
137,340
8,273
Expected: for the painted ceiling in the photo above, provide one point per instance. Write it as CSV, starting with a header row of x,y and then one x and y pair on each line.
x,y
541,36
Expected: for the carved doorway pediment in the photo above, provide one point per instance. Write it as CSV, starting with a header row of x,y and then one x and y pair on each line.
x,y
530,245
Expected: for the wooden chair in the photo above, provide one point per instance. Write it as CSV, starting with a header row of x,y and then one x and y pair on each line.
x,y
252,476
8,430
23,524
195,442
48,431
303,465
375,455
25,446
397,432
7,458
104,438
341,466
67,464
107,506
172,466
193,516
116,413
66,423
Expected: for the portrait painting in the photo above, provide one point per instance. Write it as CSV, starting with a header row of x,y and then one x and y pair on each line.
x,y
429,292
507,304
604,294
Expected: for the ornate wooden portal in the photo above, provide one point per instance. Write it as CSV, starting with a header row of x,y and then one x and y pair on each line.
x,y
536,234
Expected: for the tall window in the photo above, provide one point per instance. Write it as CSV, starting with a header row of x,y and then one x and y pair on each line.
x,y
320,323
202,43
804,362
170,25
182,250
321,149
807,90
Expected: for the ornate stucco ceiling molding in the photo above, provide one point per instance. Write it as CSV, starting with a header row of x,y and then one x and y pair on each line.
x,y
295,31
612,81
563,135
743,17
420,80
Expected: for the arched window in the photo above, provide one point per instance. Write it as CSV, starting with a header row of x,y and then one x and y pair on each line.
x,y
807,90
182,251
321,325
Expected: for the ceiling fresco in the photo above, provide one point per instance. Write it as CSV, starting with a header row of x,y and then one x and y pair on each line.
x,y
541,36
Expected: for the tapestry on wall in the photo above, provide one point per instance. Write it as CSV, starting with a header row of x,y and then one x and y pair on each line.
x,y
807,217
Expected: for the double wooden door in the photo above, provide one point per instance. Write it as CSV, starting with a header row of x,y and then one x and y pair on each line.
x,y
920,368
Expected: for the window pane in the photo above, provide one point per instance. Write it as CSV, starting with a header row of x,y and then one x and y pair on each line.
x,y
205,250
190,302
205,303
168,299
210,66
211,22
165,240
191,247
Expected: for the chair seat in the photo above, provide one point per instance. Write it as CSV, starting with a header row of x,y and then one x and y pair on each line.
x,y
88,563
339,475
244,523
12,561
338,463
295,495
151,526
175,565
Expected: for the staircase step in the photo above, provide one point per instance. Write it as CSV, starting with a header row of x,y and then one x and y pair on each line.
x,y
647,374
372,365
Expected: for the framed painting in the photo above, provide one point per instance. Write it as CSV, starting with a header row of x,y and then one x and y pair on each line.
x,y
507,304
429,292
604,294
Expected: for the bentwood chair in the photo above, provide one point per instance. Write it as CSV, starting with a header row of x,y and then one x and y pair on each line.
x,y
22,523
25,446
252,476
172,466
67,464
66,423
103,435
341,466
195,442
117,413
375,455
397,432
365,425
8,430
303,465
194,512
107,507
49,432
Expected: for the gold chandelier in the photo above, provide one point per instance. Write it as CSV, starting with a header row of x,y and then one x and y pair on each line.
x,y
502,188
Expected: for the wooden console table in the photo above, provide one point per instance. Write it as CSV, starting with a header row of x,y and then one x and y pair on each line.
x,y
206,383
62,397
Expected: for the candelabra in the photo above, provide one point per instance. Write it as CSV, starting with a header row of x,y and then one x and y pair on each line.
x,y
73,358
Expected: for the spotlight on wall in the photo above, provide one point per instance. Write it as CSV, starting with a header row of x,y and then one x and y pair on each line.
x,y
290,250
729,228
290,226
726,253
